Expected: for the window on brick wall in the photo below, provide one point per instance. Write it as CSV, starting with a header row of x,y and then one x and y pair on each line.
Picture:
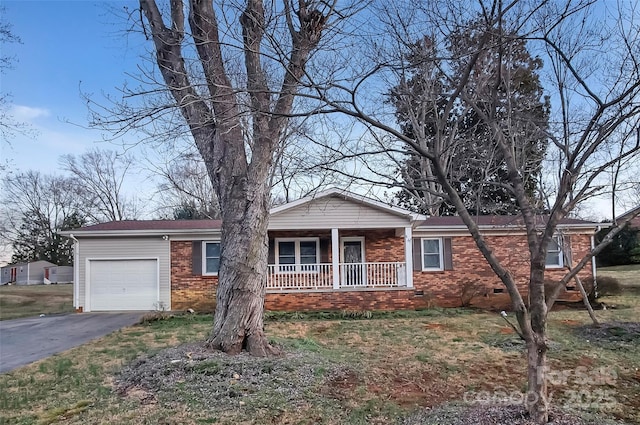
x,y
555,256
297,255
211,257
432,258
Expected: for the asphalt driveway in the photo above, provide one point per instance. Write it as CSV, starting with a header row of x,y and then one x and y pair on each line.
x,y
23,341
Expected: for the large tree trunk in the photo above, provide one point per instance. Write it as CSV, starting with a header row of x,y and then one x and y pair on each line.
x,y
536,400
238,319
236,143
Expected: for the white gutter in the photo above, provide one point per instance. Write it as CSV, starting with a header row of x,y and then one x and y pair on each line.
x,y
462,230
151,232
76,271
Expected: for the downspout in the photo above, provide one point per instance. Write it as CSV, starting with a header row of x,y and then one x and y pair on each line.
x,y
408,256
76,271
593,263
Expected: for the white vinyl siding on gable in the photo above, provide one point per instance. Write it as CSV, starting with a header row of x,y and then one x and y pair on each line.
x,y
432,255
297,254
210,258
333,212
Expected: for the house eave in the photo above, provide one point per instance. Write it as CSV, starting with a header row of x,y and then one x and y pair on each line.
x,y
507,228
138,233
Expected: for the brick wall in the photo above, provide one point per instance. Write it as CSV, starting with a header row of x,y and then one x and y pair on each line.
x,y
188,290
471,282
351,300
383,246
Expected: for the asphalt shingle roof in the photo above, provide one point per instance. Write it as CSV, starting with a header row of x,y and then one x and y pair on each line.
x,y
154,225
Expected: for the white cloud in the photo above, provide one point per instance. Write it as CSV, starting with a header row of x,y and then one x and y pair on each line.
x,y
28,113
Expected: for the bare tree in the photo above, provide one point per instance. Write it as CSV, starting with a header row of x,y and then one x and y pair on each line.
x,y
595,112
35,207
231,72
8,125
185,190
100,177
300,161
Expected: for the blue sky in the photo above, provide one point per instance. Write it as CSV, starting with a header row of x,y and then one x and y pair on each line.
x,y
67,46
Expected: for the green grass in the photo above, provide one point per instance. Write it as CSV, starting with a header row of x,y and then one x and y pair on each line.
x,y
623,268
32,300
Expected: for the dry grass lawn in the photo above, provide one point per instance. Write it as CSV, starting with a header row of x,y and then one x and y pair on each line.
x,y
380,370
31,300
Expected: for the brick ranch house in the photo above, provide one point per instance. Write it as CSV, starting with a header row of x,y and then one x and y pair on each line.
x,y
334,251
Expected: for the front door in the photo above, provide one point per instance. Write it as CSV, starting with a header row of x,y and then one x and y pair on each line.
x,y
353,268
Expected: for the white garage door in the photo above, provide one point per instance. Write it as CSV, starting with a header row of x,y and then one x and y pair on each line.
x,y
123,284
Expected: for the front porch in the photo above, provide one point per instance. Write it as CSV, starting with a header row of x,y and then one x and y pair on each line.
x,y
348,276
339,259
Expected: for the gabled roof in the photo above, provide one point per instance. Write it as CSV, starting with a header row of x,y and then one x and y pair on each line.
x,y
339,209
285,217
347,195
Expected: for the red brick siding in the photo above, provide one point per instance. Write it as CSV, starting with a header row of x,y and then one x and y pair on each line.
x,y
471,275
189,290
383,246
346,300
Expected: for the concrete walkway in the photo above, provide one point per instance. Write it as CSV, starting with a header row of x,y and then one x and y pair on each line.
x,y
23,341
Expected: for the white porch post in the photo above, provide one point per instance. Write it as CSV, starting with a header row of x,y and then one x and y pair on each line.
x,y
335,258
408,256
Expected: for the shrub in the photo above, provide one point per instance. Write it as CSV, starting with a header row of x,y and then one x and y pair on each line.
x,y
606,286
156,316
469,290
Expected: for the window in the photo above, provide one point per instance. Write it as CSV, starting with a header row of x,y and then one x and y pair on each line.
x,y
432,254
554,253
308,254
297,254
211,257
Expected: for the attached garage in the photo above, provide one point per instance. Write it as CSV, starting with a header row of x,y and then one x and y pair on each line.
x,y
126,265
123,284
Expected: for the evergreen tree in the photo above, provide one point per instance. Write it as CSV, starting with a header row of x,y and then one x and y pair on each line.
x,y
623,249
475,166
38,239
36,207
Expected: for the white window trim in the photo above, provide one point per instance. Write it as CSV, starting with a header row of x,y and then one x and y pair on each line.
x,y
297,265
560,254
440,253
203,251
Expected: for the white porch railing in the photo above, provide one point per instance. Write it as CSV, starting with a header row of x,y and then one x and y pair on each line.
x,y
352,275
301,276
